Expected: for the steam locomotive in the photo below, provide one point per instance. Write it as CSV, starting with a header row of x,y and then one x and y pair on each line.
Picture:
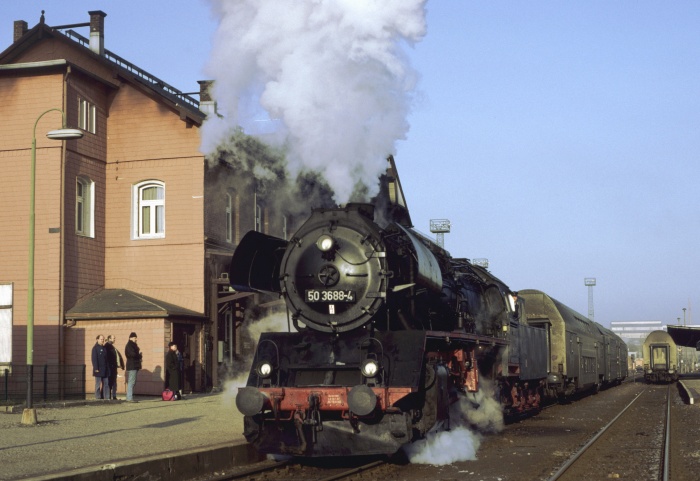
x,y
390,331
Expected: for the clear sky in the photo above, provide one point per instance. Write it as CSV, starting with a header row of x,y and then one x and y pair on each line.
x,y
561,139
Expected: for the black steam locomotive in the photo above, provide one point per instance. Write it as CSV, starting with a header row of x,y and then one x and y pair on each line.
x,y
390,331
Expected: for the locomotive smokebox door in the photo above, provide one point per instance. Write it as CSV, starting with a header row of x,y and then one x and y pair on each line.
x,y
334,270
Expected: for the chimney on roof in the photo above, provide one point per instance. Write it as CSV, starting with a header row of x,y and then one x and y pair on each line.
x,y
20,29
207,105
97,31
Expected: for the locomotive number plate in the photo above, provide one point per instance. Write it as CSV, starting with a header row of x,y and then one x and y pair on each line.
x,y
329,295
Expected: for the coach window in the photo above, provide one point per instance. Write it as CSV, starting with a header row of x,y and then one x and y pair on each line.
x,y
87,116
229,218
149,210
84,207
258,217
6,323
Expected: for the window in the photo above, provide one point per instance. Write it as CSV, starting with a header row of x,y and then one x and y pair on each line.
x,y
86,116
149,210
229,219
84,207
258,218
6,323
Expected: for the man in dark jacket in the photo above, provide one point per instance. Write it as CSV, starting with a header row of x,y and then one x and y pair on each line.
x,y
115,363
100,368
133,365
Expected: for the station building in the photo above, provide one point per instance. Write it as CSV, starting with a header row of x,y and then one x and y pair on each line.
x,y
134,227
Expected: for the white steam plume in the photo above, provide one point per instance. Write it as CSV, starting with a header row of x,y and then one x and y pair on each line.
x,y
332,73
473,414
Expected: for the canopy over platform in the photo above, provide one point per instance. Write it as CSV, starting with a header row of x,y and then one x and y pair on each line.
x,y
685,336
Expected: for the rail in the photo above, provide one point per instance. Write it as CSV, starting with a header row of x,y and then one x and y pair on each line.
x,y
665,467
266,470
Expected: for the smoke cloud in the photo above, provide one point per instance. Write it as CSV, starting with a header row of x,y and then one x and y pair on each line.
x,y
472,415
329,78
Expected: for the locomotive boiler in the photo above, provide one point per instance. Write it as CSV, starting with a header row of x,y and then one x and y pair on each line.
x,y
389,331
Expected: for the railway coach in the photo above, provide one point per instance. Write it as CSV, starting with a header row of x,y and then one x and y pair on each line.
x,y
660,355
582,354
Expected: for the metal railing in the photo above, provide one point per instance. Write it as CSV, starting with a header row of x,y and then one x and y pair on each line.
x,y
51,383
150,79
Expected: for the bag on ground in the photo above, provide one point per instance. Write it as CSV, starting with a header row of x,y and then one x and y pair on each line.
x,y
168,395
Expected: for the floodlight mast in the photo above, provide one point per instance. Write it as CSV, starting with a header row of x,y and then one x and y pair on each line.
x,y
440,227
590,282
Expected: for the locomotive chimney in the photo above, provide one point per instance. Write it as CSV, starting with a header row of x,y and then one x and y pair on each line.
x,y
97,31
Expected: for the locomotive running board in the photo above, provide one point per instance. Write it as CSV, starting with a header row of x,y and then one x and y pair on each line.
x,y
465,337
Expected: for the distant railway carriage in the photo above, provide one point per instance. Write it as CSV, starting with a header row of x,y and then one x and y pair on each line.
x,y
583,355
660,358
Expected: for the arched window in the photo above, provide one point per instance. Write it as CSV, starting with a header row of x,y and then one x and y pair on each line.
x,y
84,207
149,210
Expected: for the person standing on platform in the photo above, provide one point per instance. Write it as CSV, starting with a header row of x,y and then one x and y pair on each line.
x,y
100,368
172,370
116,362
133,365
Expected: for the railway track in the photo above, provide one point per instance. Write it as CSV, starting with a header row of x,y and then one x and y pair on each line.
x,y
294,470
641,432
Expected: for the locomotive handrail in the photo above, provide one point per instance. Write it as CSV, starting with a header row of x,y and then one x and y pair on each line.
x,y
479,339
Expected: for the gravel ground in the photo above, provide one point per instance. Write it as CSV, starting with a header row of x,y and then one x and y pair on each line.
x,y
535,448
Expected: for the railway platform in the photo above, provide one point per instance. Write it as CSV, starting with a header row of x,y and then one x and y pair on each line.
x,y
692,389
106,440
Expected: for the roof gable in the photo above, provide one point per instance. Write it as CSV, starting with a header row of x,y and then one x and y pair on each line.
x,y
159,90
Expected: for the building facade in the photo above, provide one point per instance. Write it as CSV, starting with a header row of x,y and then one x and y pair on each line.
x,y
134,226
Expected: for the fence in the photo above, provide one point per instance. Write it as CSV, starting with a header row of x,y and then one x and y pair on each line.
x,y
51,383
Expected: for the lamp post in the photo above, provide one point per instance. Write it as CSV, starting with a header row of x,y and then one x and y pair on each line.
x,y
684,317
29,414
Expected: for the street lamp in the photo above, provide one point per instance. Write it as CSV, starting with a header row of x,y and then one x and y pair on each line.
x,y
29,414
684,317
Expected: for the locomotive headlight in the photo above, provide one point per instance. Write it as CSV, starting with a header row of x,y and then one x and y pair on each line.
x,y
369,368
264,369
325,243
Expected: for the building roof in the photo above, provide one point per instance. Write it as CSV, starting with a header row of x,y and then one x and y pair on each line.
x,y
125,304
685,336
184,104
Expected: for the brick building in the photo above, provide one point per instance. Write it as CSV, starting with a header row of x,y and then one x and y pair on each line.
x,y
134,227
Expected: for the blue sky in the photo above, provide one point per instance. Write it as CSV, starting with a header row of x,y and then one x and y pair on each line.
x,y
561,139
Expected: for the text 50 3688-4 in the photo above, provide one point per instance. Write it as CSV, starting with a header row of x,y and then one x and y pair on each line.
x,y
329,295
